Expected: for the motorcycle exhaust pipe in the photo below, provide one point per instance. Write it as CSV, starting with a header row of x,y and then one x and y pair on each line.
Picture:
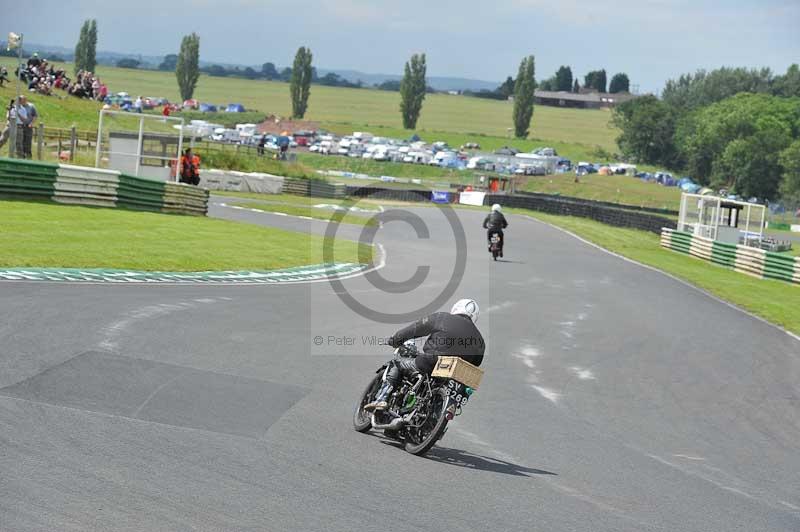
x,y
395,424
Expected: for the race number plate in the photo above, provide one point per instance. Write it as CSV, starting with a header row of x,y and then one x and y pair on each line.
x,y
457,392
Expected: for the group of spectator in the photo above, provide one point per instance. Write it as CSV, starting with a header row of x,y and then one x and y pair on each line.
x,y
42,77
22,117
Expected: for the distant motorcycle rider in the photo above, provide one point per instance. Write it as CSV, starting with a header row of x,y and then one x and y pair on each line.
x,y
495,222
453,334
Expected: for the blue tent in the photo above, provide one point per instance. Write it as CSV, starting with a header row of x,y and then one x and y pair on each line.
x,y
235,108
208,108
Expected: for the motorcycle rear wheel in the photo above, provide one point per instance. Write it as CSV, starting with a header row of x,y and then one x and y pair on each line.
x,y
439,403
362,421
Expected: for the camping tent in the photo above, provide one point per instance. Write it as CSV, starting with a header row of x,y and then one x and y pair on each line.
x,y
235,108
208,108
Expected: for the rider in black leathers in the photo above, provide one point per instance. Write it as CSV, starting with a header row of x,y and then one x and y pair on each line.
x,y
453,334
495,222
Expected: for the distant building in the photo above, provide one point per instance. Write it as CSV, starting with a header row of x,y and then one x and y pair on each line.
x,y
583,100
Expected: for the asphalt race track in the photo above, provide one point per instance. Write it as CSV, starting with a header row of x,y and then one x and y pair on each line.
x,y
615,399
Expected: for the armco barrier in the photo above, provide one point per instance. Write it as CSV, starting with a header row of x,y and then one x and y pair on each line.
x,y
78,185
392,194
293,185
751,261
584,209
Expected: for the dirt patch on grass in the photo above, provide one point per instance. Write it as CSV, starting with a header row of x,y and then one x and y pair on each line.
x,y
275,125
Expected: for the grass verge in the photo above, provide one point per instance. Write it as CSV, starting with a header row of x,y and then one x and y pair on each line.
x,y
775,301
48,235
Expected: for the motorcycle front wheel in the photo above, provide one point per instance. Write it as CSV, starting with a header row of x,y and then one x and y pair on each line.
x,y
419,441
362,421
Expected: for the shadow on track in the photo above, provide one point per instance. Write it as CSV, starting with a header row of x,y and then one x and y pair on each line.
x,y
510,261
459,458
469,460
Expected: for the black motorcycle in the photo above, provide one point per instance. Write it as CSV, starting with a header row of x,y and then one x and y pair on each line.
x,y
418,410
495,245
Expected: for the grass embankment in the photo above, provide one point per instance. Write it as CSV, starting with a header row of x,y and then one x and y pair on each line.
x,y
775,301
612,188
48,235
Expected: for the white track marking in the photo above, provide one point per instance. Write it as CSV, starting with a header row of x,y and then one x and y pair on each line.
x,y
112,333
500,306
547,393
583,373
687,457
662,272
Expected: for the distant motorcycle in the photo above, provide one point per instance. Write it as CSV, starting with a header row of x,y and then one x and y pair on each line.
x,y
495,245
418,410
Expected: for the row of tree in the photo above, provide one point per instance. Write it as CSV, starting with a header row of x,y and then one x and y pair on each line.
x,y
732,127
562,80
413,87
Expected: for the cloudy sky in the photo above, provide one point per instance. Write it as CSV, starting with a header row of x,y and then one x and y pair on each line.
x,y
651,40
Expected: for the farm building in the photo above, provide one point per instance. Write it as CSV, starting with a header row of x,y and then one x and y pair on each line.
x,y
583,100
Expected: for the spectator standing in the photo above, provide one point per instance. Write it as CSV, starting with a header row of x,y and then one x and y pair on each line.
x,y
7,126
20,118
165,111
195,169
31,114
34,60
262,143
3,75
137,105
187,172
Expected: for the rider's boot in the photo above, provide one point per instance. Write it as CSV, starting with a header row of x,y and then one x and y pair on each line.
x,y
380,400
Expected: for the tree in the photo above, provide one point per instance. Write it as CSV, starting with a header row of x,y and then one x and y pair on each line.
x,y
564,79
250,73
269,71
169,63
619,83
693,91
787,85
389,85
549,84
217,71
300,84
286,74
128,63
524,96
85,50
790,161
596,79
647,128
187,69
91,47
738,142
412,90
506,89
576,87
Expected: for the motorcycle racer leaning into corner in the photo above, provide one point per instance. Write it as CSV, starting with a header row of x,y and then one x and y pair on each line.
x,y
495,222
453,334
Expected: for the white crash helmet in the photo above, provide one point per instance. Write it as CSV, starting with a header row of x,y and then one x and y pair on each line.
x,y
496,207
466,307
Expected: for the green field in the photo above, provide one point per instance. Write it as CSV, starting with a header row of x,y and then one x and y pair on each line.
x,y
48,235
613,188
775,301
347,110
